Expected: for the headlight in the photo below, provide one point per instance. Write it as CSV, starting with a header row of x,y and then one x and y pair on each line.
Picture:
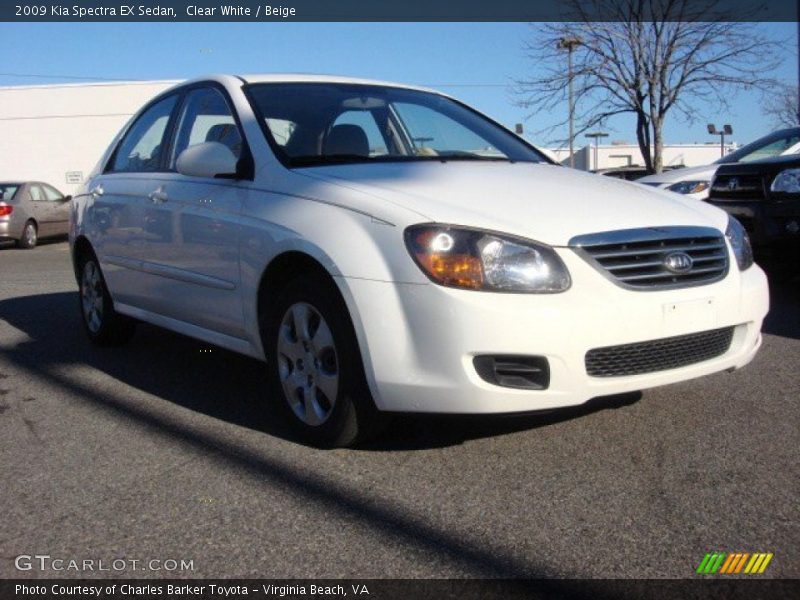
x,y
688,187
480,260
787,182
740,242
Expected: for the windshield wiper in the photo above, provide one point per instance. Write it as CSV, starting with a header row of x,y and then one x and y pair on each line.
x,y
327,159
467,156
343,159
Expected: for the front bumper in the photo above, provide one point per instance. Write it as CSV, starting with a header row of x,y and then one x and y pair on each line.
x,y
766,222
418,341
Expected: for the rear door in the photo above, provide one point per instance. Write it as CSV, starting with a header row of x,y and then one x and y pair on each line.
x,y
58,208
41,210
123,223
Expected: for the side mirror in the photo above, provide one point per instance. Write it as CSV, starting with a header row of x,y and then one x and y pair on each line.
x,y
66,199
209,159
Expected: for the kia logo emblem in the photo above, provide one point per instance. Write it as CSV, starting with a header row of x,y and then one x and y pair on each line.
x,y
678,262
733,184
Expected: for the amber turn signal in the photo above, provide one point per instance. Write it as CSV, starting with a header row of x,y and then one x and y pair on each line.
x,y
458,270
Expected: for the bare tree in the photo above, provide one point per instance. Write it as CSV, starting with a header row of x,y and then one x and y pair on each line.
x,y
653,58
782,106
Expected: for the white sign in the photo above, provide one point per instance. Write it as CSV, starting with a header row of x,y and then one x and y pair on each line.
x,y
74,176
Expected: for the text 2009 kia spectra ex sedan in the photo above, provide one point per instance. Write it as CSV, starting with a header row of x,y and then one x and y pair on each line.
x,y
386,248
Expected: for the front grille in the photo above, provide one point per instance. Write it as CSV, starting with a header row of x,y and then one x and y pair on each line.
x,y
642,259
736,187
658,355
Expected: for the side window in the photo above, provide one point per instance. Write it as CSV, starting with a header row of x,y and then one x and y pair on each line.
x,y
142,147
366,122
51,193
206,117
281,129
37,195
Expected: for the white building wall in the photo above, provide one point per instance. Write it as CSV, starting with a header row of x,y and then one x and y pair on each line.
x,y
48,132
622,155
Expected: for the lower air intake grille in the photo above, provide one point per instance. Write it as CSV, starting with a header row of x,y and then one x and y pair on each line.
x,y
658,355
521,372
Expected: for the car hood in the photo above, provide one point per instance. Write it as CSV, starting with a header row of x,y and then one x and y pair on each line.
x,y
548,203
703,173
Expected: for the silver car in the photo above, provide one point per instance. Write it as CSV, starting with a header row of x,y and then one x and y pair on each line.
x,y
32,210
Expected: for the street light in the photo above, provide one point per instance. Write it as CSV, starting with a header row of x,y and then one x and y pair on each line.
x,y
596,135
726,130
569,44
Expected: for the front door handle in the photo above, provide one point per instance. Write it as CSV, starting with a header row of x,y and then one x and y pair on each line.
x,y
158,196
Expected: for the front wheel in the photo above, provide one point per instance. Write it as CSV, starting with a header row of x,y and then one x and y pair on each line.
x,y
103,325
315,365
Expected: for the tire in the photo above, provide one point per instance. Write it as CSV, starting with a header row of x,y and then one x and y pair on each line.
x,y
315,369
30,236
103,325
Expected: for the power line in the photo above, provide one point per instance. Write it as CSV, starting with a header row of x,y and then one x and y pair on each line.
x,y
486,85
93,78
39,76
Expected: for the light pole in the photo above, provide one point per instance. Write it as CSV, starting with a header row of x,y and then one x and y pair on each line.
x,y
569,44
596,135
726,130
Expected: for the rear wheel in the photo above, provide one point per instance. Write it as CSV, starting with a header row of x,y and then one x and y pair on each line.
x,y
315,365
103,325
30,236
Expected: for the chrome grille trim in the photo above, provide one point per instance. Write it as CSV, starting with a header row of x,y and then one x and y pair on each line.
x,y
634,258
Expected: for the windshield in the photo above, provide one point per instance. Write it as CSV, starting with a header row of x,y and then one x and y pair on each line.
x,y
7,191
774,144
329,123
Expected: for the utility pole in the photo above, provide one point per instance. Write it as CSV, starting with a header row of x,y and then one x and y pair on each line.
x,y
596,135
569,44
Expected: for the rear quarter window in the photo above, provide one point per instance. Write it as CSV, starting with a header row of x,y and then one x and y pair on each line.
x,y
8,192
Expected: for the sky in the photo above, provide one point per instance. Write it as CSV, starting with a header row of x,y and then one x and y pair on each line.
x,y
475,62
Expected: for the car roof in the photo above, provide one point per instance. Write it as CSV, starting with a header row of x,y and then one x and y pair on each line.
x,y
315,78
29,182
297,78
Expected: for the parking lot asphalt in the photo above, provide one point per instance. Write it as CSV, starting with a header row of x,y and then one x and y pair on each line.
x,y
161,450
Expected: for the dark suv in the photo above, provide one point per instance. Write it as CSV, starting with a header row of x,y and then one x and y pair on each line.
x,y
764,196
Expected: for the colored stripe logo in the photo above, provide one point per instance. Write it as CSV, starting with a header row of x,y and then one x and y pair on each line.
x,y
734,563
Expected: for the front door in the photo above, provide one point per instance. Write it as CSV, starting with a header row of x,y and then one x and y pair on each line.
x,y
193,222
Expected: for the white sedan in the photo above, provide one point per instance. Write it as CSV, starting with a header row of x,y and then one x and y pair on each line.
x,y
386,248
694,182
